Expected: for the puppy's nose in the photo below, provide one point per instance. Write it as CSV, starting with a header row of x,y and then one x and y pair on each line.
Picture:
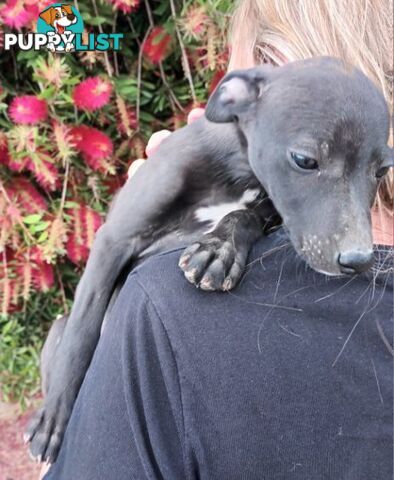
x,y
71,17
355,261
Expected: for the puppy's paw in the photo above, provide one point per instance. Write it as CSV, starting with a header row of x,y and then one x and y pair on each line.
x,y
213,264
45,433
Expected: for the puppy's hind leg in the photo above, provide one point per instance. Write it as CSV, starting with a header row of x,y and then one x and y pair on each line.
x,y
75,350
128,230
48,352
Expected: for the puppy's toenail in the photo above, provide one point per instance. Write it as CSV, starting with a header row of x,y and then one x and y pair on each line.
x,y
184,261
227,284
191,274
206,284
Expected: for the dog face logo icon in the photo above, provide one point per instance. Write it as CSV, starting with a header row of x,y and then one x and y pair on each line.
x,y
60,21
59,17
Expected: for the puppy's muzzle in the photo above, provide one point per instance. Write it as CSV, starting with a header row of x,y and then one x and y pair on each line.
x,y
355,261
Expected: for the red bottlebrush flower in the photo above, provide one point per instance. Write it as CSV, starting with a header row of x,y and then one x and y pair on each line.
x,y
92,94
15,15
24,273
43,277
34,7
44,170
156,46
28,110
126,117
85,223
17,164
39,164
61,135
23,194
4,153
7,284
95,146
195,22
20,199
114,183
23,270
126,6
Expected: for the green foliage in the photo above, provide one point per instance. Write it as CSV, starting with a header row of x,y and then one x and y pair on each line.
x,y
19,375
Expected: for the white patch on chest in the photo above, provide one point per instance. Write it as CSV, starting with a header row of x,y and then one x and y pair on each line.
x,y
215,213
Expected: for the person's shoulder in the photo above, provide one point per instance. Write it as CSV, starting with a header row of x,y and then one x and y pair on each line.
x,y
277,284
161,277
168,298
158,270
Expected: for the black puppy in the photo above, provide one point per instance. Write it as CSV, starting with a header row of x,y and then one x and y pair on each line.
x,y
310,136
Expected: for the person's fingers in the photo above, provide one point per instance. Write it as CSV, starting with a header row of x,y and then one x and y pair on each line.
x,y
155,140
135,166
195,114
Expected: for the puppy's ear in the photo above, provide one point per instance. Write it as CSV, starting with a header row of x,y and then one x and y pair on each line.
x,y
68,9
48,15
388,157
236,93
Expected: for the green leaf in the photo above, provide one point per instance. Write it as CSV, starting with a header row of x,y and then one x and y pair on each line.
x,y
162,8
47,93
39,227
147,117
97,21
70,204
32,219
43,237
159,37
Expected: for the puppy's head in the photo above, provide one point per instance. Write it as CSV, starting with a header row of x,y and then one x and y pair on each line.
x,y
59,17
317,134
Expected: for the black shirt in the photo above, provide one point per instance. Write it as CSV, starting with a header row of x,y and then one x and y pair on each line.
x,y
289,376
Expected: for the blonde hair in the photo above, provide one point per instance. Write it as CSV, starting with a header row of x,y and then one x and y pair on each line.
x,y
359,31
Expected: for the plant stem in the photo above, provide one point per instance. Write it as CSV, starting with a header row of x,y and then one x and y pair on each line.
x,y
107,63
184,55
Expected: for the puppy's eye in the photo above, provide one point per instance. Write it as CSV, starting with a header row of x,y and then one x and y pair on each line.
x,y
304,162
382,172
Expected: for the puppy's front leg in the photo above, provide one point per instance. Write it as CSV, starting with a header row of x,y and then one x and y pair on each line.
x,y
217,261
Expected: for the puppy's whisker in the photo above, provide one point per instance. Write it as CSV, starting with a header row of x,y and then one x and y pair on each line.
x,y
348,338
268,253
377,380
386,342
336,291
365,312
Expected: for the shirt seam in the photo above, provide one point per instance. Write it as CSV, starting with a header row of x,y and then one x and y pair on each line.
x,y
155,309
